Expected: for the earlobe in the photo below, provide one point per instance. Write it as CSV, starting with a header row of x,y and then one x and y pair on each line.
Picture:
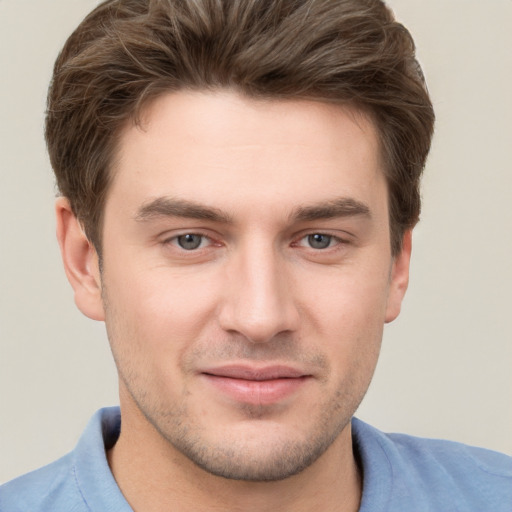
x,y
80,261
399,279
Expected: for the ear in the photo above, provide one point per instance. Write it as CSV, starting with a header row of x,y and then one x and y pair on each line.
x,y
399,278
80,260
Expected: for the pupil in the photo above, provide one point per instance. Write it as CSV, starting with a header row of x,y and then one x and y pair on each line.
x,y
189,241
318,241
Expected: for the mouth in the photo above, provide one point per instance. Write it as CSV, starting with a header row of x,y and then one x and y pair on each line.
x,y
255,385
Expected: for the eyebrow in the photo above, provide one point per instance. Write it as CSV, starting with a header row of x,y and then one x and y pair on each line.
x,y
170,207
338,207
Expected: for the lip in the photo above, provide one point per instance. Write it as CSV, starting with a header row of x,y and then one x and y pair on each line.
x,y
255,385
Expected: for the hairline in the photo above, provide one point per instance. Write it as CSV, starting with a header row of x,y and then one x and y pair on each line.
x,y
136,118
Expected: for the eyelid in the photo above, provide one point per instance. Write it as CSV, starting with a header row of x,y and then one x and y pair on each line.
x,y
334,242
172,239
341,237
202,241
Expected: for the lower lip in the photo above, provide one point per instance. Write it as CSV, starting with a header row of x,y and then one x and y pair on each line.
x,y
256,392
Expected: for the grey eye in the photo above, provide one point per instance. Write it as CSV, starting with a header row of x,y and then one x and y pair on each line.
x,y
319,241
190,241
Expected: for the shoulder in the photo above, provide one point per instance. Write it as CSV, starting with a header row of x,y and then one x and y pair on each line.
x,y
50,488
442,475
454,457
78,482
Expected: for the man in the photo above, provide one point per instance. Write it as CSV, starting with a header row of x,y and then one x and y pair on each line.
x,y
239,184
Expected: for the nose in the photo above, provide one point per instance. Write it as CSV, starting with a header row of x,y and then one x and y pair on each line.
x,y
258,300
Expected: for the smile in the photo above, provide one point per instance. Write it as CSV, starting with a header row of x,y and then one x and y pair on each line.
x,y
256,386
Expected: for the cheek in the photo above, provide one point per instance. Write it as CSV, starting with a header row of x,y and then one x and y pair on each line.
x,y
347,299
156,315
346,315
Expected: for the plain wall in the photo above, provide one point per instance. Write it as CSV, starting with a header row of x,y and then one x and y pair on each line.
x,y
445,369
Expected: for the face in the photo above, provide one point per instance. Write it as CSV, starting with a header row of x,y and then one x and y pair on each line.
x,y
246,277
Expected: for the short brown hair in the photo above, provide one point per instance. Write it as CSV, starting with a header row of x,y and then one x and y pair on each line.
x,y
126,52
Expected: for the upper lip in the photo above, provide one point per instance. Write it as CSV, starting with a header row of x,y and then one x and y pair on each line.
x,y
237,371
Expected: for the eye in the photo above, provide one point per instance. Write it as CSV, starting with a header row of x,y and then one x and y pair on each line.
x,y
319,241
190,241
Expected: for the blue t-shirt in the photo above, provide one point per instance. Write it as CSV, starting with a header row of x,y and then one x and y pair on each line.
x,y
400,474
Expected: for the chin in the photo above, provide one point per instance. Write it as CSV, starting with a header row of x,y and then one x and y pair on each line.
x,y
264,461
256,450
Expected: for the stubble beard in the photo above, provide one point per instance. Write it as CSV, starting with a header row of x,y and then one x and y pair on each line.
x,y
261,458
264,459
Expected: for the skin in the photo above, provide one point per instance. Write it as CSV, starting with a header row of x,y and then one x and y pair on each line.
x,y
293,269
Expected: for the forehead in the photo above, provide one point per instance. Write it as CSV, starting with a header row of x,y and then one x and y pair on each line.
x,y
222,147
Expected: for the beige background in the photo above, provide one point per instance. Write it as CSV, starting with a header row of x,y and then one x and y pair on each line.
x,y
446,364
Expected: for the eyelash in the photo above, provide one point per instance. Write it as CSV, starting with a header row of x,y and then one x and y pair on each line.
x,y
333,241
175,241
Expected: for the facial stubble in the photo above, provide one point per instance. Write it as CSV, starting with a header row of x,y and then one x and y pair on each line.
x,y
252,457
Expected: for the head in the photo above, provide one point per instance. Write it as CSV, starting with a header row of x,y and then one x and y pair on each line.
x,y
247,173
127,52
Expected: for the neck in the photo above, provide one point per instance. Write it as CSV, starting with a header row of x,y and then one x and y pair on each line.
x,y
153,476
